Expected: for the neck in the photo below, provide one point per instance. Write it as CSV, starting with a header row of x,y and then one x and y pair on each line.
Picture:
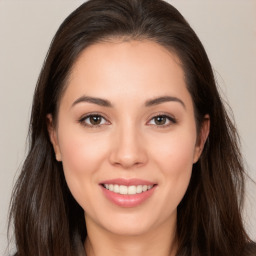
x,y
160,242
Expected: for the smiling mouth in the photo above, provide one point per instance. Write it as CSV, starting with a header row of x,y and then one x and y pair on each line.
x,y
128,193
127,190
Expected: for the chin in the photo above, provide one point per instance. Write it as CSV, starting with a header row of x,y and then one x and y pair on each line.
x,y
128,230
130,224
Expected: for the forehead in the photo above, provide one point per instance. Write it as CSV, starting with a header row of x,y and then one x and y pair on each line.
x,y
126,68
131,53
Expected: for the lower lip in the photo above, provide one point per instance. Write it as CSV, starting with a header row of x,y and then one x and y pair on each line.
x,y
128,201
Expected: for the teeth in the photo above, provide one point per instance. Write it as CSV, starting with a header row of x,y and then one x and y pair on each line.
x,y
132,190
123,190
127,190
139,189
116,189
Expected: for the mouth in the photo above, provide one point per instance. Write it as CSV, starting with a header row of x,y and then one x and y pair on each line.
x,y
127,190
128,193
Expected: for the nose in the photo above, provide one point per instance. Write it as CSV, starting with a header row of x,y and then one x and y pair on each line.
x,y
128,149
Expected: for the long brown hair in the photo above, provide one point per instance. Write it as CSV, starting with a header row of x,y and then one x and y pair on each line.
x,y
48,221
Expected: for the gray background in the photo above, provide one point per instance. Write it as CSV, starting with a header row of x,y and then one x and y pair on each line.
x,y
226,28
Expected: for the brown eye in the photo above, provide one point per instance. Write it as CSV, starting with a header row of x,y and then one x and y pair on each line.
x,y
95,120
160,120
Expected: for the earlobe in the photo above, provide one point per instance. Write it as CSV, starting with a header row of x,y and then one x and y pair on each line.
x,y
53,136
202,137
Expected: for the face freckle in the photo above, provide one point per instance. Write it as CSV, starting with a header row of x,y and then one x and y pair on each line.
x,y
127,117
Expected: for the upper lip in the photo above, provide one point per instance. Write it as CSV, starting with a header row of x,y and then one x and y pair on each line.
x,y
128,182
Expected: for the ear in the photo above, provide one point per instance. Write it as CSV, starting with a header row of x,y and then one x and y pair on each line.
x,y
53,137
202,137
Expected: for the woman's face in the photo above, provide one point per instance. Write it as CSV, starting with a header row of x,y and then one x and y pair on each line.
x,y
126,136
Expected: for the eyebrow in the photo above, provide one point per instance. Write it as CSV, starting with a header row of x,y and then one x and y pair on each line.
x,y
97,101
106,103
163,99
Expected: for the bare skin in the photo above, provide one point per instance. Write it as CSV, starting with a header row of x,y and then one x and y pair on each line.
x,y
149,244
127,114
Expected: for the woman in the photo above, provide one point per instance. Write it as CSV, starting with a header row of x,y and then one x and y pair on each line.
x,y
132,151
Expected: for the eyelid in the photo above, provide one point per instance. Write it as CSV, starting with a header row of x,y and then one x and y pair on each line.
x,y
84,117
172,120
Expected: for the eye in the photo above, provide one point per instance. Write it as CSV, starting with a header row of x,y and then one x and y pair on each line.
x,y
93,120
162,120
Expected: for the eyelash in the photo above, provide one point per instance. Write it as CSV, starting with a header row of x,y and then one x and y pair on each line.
x,y
171,120
84,123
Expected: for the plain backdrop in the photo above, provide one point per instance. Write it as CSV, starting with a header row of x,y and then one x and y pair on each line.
x,y
225,27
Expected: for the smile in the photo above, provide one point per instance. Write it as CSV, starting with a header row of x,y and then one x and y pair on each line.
x,y
127,190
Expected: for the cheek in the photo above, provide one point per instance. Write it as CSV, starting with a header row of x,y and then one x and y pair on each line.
x,y
76,157
176,152
81,151
175,159
82,156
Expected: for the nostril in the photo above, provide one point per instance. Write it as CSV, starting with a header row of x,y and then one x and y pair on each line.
x,y
128,151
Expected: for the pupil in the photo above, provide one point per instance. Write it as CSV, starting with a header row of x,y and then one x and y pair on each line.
x,y
160,120
95,120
